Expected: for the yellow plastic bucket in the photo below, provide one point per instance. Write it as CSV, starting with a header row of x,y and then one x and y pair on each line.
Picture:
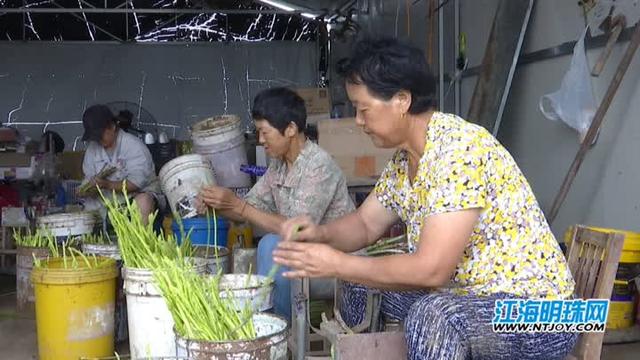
x,y
621,306
166,225
239,231
75,310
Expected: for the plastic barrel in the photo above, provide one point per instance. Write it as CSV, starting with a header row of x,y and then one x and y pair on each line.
x,y
214,263
112,251
248,289
221,140
182,179
75,310
69,224
24,287
150,322
202,231
270,343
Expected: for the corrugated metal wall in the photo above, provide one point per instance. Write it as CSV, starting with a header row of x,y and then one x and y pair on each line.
x,y
48,85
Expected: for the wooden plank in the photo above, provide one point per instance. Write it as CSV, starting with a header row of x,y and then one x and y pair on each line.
x,y
499,62
596,238
610,267
620,24
574,251
581,271
592,342
592,271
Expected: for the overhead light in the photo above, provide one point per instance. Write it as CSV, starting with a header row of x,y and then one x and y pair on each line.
x,y
278,5
286,7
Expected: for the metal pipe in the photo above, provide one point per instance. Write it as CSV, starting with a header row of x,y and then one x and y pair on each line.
x,y
512,70
126,20
441,55
22,10
456,24
299,317
147,43
24,25
114,37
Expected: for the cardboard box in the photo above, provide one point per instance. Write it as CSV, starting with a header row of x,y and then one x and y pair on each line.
x,y
16,166
12,159
316,100
360,160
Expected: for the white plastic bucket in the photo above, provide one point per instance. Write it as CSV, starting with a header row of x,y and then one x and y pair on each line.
x,y
181,180
245,290
107,250
69,224
24,266
221,140
150,322
270,343
213,263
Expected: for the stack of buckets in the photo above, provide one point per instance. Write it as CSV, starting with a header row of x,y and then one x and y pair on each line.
x,y
219,145
24,266
150,322
624,306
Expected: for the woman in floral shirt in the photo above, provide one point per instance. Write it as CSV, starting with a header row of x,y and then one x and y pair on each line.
x,y
475,230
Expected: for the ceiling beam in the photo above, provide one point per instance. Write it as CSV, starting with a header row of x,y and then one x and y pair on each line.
x,y
23,10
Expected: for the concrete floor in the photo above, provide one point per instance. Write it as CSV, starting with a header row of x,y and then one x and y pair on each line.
x,y
18,332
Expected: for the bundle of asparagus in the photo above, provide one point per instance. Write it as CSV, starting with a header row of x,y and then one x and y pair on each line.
x,y
90,187
396,245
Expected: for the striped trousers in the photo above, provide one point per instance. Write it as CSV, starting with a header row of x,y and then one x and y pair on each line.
x,y
449,326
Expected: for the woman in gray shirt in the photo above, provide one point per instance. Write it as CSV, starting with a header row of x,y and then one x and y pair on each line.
x,y
111,147
302,178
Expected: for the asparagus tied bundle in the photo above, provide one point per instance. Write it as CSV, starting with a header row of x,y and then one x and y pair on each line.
x,y
89,188
396,245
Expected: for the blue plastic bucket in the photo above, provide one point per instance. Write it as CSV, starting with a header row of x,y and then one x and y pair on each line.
x,y
198,227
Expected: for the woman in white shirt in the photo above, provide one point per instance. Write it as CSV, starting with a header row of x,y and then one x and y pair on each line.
x,y
109,146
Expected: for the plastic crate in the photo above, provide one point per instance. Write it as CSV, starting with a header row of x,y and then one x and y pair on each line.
x,y
71,190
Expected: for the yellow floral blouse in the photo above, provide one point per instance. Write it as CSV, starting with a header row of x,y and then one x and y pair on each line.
x,y
512,249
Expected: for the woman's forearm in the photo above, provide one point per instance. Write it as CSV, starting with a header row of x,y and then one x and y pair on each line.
x,y
267,221
359,229
348,234
129,186
394,272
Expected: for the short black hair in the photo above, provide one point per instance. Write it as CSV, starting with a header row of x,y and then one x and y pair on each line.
x,y
279,107
96,119
386,66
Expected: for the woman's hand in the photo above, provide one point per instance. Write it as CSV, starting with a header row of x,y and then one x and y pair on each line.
x,y
307,259
301,229
201,207
220,198
103,184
